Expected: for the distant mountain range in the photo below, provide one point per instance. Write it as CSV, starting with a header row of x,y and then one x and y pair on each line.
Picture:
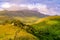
x,y
24,13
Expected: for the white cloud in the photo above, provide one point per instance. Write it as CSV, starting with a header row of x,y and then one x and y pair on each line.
x,y
6,5
42,8
1,9
13,7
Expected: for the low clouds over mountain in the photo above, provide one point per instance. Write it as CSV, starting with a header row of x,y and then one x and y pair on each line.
x,y
42,8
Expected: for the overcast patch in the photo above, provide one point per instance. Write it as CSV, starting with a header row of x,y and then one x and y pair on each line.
x,y
42,8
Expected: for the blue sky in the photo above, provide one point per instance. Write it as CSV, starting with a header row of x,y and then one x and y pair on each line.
x,y
51,4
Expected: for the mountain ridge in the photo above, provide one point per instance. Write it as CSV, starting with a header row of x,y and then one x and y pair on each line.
x,y
24,13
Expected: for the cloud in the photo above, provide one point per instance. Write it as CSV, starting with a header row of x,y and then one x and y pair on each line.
x,y
42,8
1,9
13,7
5,5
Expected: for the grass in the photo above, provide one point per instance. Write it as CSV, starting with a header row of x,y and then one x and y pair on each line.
x,y
30,28
48,28
10,32
27,20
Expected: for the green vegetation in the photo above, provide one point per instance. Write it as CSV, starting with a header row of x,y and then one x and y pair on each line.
x,y
48,28
27,20
30,28
14,29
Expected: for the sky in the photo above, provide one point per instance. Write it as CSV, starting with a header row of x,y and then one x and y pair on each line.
x,y
49,7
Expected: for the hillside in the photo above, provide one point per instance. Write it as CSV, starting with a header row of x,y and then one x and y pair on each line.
x,y
25,20
48,28
14,29
10,32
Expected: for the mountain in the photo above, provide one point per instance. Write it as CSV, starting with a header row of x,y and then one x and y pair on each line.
x,y
24,13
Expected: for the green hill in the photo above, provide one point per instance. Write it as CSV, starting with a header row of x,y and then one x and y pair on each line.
x,y
17,28
47,28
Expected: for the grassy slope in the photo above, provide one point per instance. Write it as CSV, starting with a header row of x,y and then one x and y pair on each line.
x,y
44,29
48,28
47,18
27,20
10,32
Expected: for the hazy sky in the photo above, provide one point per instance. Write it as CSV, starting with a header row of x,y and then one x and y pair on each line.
x,y
51,7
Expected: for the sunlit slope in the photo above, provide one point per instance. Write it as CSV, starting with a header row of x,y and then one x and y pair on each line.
x,y
10,32
48,28
47,18
10,29
7,31
27,20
